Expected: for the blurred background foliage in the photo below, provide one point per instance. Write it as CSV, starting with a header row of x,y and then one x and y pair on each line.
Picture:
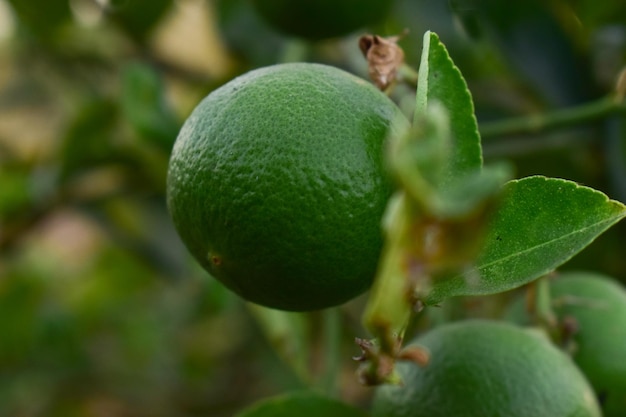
x,y
102,311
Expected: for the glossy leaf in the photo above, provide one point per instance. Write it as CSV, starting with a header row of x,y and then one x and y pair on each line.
x,y
540,224
301,404
441,81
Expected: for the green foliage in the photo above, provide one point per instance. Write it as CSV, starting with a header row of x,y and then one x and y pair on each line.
x,y
451,230
441,81
137,17
86,142
539,225
528,235
42,19
14,191
597,14
145,107
435,162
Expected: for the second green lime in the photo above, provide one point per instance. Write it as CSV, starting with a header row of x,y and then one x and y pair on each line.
x,y
481,368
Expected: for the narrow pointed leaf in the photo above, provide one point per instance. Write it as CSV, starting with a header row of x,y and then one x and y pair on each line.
x,y
441,81
421,159
540,224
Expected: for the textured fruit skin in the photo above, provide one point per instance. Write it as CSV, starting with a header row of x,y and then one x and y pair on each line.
x,y
276,184
598,304
484,368
321,19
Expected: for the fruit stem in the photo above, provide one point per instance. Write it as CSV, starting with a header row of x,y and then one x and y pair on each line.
x,y
332,350
539,306
408,74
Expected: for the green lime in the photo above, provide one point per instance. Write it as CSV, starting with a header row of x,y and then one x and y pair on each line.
x,y
482,368
597,304
321,19
277,184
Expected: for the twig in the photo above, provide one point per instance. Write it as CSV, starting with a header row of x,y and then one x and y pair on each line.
x,y
533,124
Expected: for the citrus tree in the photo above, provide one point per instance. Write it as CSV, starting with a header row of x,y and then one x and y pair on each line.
x,y
267,208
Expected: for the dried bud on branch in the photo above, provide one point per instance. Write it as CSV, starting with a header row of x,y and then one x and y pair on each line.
x,y
384,57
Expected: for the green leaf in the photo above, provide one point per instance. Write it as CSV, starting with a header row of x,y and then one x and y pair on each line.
x,y
15,191
441,81
540,224
138,17
42,18
421,160
145,107
593,13
301,404
419,248
438,217
87,141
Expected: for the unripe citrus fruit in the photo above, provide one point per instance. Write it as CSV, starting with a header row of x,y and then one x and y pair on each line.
x,y
482,368
597,304
320,19
277,187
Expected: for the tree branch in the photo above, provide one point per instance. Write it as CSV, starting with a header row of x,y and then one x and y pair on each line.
x,y
543,122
